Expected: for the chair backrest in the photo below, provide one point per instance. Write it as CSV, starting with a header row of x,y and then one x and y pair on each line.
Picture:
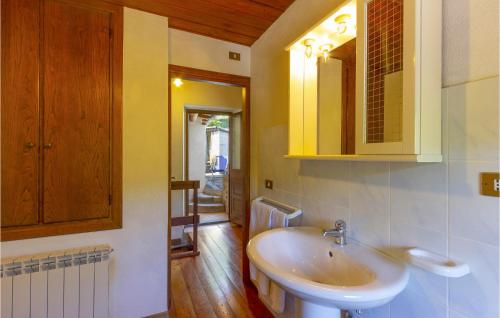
x,y
221,164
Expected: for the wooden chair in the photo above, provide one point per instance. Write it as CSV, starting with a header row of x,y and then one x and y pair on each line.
x,y
187,220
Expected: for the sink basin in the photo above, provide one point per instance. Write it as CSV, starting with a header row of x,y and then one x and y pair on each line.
x,y
326,277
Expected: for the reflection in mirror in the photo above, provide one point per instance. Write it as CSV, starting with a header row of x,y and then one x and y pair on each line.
x,y
329,106
336,100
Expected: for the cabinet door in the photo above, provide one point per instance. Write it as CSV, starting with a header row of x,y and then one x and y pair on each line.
x,y
386,81
20,122
77,49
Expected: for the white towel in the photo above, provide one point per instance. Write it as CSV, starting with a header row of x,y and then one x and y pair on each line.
x,y
260,280
276,298
262,283
253,273
264,217
260,217
279,219
260,221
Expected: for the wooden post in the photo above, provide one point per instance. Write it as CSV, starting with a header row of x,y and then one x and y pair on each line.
x,y
195,221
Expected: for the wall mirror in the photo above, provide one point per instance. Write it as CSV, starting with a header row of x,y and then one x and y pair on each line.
x,y
337,100
365,84
322,86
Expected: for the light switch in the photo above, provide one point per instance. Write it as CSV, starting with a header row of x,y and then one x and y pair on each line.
x,y
490,184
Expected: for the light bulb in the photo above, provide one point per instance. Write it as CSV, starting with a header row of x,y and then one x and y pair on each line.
x,y
325,55
342,22
178,82
308,43
341,28
325,50
309,50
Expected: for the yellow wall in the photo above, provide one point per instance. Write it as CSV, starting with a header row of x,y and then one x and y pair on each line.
x,y
138,267
198,51
145,174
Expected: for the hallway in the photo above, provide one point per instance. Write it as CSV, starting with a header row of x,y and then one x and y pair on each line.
x,y
211,285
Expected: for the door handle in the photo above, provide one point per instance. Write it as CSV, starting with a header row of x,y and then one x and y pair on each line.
x,y
47,146
29,145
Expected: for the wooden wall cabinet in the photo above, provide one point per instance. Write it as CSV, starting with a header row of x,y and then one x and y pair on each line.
x,y
61,117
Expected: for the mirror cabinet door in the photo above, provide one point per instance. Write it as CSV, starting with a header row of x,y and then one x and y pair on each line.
x,y
384,71
385,77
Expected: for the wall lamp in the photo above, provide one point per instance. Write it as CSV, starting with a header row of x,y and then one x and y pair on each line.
x,y
308,43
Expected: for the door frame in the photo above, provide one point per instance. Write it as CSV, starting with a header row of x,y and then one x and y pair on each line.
x,y
188,73
188,111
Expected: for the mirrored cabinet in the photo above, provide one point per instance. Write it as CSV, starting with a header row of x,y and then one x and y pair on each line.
x,y
365,83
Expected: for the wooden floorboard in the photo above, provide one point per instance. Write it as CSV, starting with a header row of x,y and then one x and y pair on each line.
x,y
216,296
222,251
233,242
201,303
235,299
181,297
210,285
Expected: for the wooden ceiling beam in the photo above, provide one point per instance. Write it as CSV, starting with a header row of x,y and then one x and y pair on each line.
x,y
189,26
201,10
246,7
219,19
277,4
238,21
199,13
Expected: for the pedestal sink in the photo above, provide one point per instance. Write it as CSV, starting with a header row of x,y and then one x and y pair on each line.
x,y
324,277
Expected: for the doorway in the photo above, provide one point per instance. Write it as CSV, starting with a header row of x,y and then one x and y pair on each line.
x,y
212,148
234,167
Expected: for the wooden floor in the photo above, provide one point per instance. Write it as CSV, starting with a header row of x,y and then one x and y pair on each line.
x,y
210,285
215,217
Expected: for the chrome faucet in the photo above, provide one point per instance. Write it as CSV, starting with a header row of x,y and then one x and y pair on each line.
x,y
339,232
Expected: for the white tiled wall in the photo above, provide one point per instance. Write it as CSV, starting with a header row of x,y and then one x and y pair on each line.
x,y
436,206
470,40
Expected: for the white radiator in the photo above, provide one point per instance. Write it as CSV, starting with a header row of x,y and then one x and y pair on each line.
x,y
63,284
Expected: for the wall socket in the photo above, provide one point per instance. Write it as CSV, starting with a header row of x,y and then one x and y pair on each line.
x,y
269,184
490,184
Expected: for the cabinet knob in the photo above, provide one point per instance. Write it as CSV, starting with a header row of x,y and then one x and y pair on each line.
x,y
29,145
47,146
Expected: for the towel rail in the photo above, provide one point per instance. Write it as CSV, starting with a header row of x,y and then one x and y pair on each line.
x,y
281,206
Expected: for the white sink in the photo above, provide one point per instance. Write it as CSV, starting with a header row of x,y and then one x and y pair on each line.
x,y
324,276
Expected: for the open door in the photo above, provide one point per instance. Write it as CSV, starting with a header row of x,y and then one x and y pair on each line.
x,y
236,174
